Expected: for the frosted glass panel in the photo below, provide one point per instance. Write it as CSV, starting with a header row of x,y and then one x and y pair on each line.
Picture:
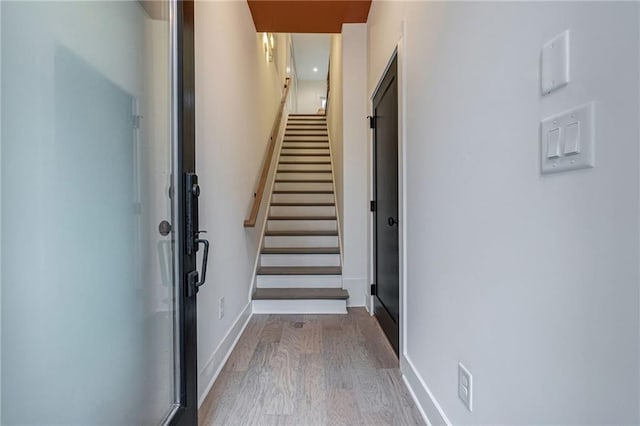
x,y
87,279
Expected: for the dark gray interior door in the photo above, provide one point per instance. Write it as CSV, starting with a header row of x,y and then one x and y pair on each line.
x,y
386,245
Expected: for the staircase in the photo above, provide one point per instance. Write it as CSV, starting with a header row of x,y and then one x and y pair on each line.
x,y
300,269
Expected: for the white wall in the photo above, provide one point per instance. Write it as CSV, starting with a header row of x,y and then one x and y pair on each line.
x,y
236,102
529,280
355,172
308,93
334,119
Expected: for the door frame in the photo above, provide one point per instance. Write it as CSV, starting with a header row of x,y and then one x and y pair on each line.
x,y
398,52
389,325
184,161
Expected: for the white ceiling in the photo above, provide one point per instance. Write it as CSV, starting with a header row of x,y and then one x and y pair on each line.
x,y
311,51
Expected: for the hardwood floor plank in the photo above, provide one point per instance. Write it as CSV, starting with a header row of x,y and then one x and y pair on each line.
x,y
403,407
311,401
284,375
311,370
378,347
342,408
311,335
243,352
249,402
379,418
272,330
221,398
336,358
371,396
275,420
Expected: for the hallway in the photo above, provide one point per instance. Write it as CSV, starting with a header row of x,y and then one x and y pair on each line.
x,y
311,369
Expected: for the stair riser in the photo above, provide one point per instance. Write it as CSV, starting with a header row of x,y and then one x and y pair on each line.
x,y
306,152
303,186
322,167
306,145
299,281
302,198
321,125
305,138
304,225
302,211
299,306
306,128
304,176
301,241
300,260
309,132
304,159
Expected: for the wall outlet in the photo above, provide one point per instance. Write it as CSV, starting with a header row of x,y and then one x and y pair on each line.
x,y
465,386
221,308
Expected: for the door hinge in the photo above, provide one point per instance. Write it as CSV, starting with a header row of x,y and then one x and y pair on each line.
x,y
374,289
372,121
372,206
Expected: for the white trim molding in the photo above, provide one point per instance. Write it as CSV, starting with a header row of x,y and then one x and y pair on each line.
x,y
357,288
212,368
425,401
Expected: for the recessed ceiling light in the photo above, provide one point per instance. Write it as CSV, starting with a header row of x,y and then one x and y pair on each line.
x,y
315,70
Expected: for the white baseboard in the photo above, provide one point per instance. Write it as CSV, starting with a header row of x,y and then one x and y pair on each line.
x,y
424,399
357,288
209,373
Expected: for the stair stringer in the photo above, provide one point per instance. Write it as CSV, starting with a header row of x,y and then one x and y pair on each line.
x,y
271,177
335,198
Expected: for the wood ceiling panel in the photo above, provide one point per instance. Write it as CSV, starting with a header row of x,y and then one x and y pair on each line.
x,y
307,16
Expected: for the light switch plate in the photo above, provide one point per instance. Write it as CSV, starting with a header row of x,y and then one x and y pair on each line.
x,y
465,386
555,71
575,146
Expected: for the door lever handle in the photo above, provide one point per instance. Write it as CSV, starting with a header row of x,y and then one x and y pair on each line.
x,y
205,256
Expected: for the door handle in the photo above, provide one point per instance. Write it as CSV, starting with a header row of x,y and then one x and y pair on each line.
x,y
205,257
164,228
392,221
194,279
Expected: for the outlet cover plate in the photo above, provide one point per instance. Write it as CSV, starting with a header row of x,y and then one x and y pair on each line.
x,y
465,386
221,308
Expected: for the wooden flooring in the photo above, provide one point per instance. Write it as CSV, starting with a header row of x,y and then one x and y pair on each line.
x,y
311,370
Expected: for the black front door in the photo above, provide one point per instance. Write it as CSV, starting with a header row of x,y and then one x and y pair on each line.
x,y
385,186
